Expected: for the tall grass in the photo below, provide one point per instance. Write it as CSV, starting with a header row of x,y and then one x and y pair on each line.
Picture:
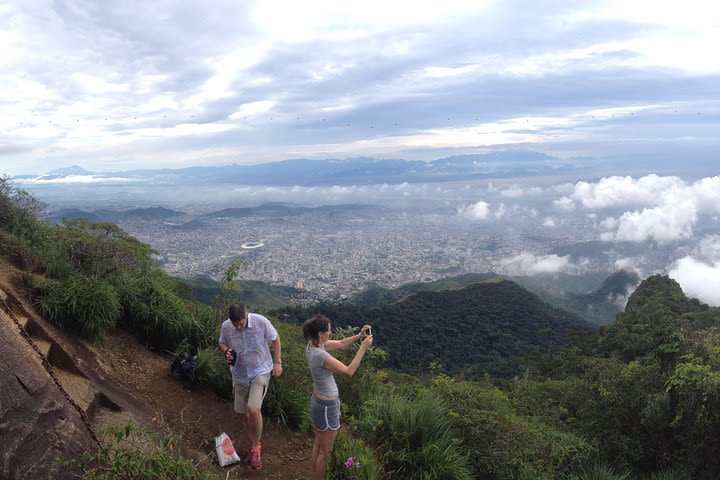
x,y
414,436
288,405
156,315
599,472
86,305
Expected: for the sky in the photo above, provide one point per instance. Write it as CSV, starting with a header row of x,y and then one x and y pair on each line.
x,y
119,85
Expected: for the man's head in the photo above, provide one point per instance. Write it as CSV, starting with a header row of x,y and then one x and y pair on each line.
x,y
238,314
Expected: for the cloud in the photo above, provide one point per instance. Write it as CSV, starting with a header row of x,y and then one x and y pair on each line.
x,y
549,222
134,81
74,179
666,208
698,279
661,224
529,264
623,191
476,211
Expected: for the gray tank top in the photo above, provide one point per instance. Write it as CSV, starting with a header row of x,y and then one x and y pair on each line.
x,y
322,377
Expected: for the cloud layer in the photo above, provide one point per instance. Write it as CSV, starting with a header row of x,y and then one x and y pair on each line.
x,y
168,84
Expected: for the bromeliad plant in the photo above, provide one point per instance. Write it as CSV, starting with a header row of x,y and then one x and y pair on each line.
x,y
352,459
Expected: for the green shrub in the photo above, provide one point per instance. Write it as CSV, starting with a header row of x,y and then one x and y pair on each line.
x,y
671,474
505,445
212,369
351,458
135,454
599,472
155,314
17,252
86,305
415,436
288,399
287,405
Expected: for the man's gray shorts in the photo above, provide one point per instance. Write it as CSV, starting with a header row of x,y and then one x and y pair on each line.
x,y
251,396
325,413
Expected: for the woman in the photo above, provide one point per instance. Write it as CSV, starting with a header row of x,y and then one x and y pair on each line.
x,y
324,402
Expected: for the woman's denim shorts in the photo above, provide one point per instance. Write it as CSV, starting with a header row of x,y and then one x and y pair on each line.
x,y
325,413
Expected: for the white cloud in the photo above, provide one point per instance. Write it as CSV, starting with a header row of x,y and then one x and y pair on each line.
x,y
476,211
73,179
566,204
667,208
528,264
698,279
549,222
625,191
661,224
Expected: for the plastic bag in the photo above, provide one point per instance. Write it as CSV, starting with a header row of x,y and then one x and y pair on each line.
x,y
225,451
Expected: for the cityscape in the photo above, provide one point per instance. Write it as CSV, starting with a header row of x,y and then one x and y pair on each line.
x,y
330,257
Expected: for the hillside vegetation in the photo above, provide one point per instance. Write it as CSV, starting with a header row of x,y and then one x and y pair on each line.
x,y
639,398
484,328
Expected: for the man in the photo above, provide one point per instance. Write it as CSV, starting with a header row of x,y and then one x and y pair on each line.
x,y
245,337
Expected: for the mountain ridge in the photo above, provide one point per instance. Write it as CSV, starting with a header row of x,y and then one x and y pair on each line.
x,y
349,171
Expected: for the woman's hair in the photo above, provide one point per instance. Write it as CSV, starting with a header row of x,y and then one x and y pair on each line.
x,y
312,327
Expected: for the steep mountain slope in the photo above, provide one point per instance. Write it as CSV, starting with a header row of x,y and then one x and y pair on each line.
x,y
58,393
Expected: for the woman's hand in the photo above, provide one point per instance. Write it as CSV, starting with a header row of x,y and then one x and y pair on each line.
x,y
367,342
364,331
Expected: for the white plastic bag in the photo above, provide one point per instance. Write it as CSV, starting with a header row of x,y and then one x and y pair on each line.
x,y
225,451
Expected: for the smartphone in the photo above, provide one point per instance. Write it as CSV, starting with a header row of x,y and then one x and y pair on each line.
x,y
368,331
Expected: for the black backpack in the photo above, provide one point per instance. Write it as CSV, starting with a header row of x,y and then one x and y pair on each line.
x,y
183,367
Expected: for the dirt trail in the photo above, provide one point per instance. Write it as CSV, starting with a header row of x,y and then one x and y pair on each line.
x,y
198,414
118,379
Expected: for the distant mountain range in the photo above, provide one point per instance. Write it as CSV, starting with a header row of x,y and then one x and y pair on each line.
x,y
188,221
351,171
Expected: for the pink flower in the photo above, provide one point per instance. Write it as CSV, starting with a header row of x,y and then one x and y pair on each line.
x,y
349,462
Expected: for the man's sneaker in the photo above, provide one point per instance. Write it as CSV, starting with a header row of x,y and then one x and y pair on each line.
x,y
255,458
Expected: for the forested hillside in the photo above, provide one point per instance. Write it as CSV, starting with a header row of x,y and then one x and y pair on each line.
x,y
484,328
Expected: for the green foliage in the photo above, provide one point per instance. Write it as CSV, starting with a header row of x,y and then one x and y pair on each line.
x,y
288,398
86,305
504,444
135,454
483,328
212,369
415,439
351,459
155,314
288,405
18,211
101,249
671,474
599,472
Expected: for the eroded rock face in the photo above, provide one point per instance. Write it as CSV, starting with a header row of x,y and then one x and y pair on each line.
x,y
39,428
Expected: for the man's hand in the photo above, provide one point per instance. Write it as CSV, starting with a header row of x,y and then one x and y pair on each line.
x,y
277,370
